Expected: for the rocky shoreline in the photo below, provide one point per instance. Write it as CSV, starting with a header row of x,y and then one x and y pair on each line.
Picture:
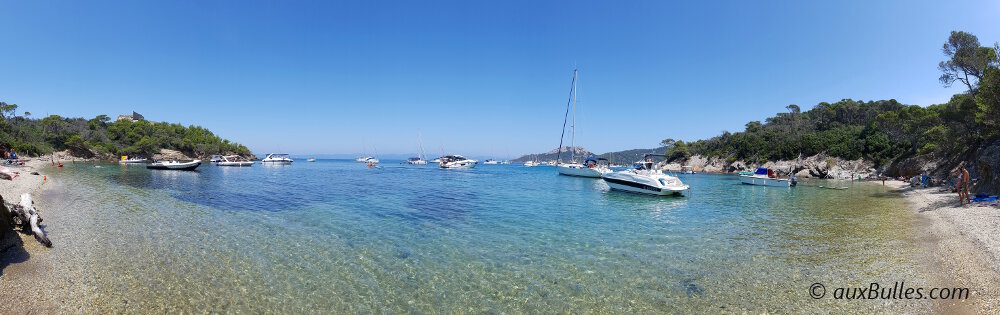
x,y
163,154
817,166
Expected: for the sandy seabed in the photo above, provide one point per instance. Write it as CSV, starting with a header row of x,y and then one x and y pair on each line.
x,y
961,246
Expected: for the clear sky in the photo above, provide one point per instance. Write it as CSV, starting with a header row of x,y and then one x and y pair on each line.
x,y
480,78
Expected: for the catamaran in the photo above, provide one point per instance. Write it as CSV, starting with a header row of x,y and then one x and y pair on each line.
x,y
590,168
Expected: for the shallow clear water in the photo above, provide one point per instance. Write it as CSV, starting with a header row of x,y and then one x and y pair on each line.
x,y
335,236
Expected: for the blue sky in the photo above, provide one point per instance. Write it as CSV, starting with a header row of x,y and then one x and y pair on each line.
x,y
478,78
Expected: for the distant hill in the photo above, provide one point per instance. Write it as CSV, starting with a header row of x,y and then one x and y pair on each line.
x,y
620,157
552,155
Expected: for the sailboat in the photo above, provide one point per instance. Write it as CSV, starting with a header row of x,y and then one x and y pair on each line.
x,y
419,159
533,162
590,167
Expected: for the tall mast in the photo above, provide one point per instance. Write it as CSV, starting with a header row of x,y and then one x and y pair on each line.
x,y
572,141
420,144
570,101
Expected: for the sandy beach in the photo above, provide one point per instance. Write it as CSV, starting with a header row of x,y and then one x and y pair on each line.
x,y
21,256
963,244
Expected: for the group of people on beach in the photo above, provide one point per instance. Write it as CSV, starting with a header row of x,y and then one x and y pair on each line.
x,y
9,156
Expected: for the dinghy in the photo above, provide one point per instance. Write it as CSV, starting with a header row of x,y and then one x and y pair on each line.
x,y
174,165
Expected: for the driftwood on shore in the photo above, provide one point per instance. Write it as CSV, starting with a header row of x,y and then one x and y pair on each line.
x,y
25,217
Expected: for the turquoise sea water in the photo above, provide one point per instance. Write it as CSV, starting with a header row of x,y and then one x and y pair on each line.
x,y
335,236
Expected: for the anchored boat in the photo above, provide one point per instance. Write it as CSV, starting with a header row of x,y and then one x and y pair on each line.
x,y
766,177
456,162
174,165
131,160
589,168
279,158
233,160
645,179
419,159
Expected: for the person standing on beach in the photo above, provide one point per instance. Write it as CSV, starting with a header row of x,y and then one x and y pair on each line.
x,y
958,185
962,184
964,191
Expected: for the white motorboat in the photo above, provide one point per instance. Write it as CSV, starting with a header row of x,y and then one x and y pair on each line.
x,y
589,168
766,177
174,165
215,159
456,162
279,158
311,160
131,160
645,179
530,164
234,160
491,162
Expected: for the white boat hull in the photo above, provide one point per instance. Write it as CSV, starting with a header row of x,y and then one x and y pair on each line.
x,y
458,165
645,182
420,162
187,166
766,181
238,164
581,171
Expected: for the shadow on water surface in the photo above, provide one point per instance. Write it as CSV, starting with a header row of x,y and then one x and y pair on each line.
x,y
198,187
438,205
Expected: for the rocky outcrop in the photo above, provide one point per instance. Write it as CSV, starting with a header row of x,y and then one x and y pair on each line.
x,y
984,167
817,166
167,154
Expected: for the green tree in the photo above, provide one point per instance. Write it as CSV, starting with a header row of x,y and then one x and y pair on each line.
x,y
678,151
988,101
7,111
77,146
667,142
967,60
